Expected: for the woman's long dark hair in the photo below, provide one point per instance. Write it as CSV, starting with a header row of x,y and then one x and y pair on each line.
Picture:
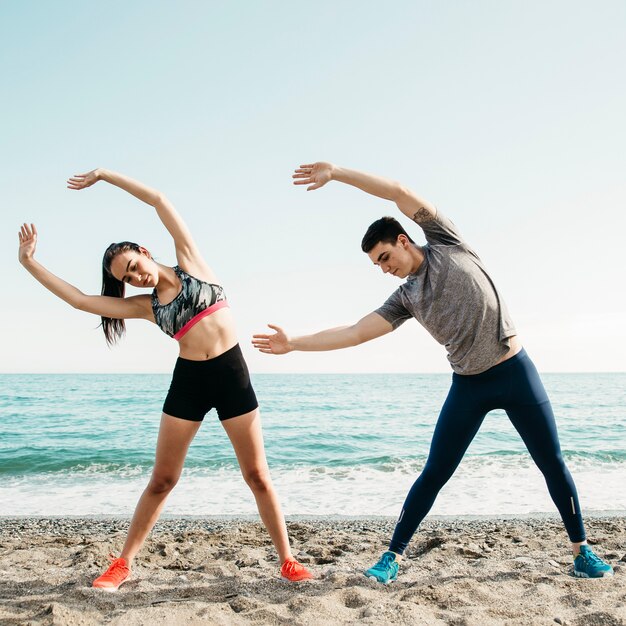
x,y
114,329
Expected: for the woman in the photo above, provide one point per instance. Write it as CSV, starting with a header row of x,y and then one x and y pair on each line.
x,y
188,304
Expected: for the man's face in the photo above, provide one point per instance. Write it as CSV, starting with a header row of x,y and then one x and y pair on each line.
x,y
393,258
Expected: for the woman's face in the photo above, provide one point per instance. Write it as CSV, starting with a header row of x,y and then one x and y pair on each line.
x,y
135,268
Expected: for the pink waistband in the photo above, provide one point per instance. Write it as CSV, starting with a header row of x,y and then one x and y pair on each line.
x,y
194,320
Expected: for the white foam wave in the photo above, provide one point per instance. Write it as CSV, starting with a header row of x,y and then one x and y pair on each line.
x,y
481,486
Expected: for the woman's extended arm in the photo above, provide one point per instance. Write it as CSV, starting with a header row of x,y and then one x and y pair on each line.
x,y
169,216
137,307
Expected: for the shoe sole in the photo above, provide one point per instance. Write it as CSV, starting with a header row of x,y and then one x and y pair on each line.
x,y
300,580
378,580
585,575
110,589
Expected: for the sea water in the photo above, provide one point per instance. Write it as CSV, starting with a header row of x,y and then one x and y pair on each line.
x,y
81,444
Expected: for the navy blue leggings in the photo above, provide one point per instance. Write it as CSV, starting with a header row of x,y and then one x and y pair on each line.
x,y
514,386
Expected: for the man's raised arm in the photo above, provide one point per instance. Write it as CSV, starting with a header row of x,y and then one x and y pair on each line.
x,y
316,175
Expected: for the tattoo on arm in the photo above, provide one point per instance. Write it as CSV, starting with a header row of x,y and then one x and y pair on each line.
x,y
422,215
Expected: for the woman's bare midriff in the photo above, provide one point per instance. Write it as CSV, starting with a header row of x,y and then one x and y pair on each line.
x,y
515,347
210,337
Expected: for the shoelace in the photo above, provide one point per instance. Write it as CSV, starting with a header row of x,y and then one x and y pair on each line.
x,y
592,558
385,561
117,564
291,567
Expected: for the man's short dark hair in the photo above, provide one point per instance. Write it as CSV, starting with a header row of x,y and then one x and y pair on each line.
x,y
384,230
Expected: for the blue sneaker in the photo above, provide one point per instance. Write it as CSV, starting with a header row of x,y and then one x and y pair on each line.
x,y
386,570
588,565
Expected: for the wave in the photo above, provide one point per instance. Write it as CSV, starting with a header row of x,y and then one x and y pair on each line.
x,y
479,487
32,460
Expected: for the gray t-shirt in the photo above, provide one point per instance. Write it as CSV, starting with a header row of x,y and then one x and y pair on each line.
x,y
455,300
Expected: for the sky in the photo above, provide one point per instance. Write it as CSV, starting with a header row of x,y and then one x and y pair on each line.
x,y
508,116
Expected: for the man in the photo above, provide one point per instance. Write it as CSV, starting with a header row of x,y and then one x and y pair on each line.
x,y
449,291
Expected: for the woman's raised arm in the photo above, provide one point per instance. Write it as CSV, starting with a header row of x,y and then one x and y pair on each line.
x,y
137,307
169,216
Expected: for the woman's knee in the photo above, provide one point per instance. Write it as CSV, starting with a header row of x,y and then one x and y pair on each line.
x,y
162,483
258,479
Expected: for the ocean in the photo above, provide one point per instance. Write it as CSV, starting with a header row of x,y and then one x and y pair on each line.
x,y
83,444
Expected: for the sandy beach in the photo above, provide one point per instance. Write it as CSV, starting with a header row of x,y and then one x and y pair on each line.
x,y
221,571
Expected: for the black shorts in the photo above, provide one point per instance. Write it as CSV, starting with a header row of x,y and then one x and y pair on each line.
x,y
222,383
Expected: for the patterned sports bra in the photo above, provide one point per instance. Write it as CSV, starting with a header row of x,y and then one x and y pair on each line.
x,y
195,301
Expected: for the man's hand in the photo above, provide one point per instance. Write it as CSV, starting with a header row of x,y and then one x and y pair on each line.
x,y
82,181
278,343
315,175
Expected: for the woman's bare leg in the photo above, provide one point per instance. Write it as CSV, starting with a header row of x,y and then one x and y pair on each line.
x,y
175,435
246,436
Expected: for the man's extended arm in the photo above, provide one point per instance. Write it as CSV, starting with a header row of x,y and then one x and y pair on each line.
x,y
316,175
367,328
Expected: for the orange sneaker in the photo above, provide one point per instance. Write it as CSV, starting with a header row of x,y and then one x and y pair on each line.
x,y
294,571
118,573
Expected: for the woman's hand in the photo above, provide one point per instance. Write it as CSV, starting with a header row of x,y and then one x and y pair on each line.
x,y
315,175
82,181
278,343
28,242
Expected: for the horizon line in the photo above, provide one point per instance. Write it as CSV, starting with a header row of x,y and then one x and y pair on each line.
x,y
307,373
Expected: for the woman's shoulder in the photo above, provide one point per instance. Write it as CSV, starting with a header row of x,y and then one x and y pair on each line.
x,y
201,271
